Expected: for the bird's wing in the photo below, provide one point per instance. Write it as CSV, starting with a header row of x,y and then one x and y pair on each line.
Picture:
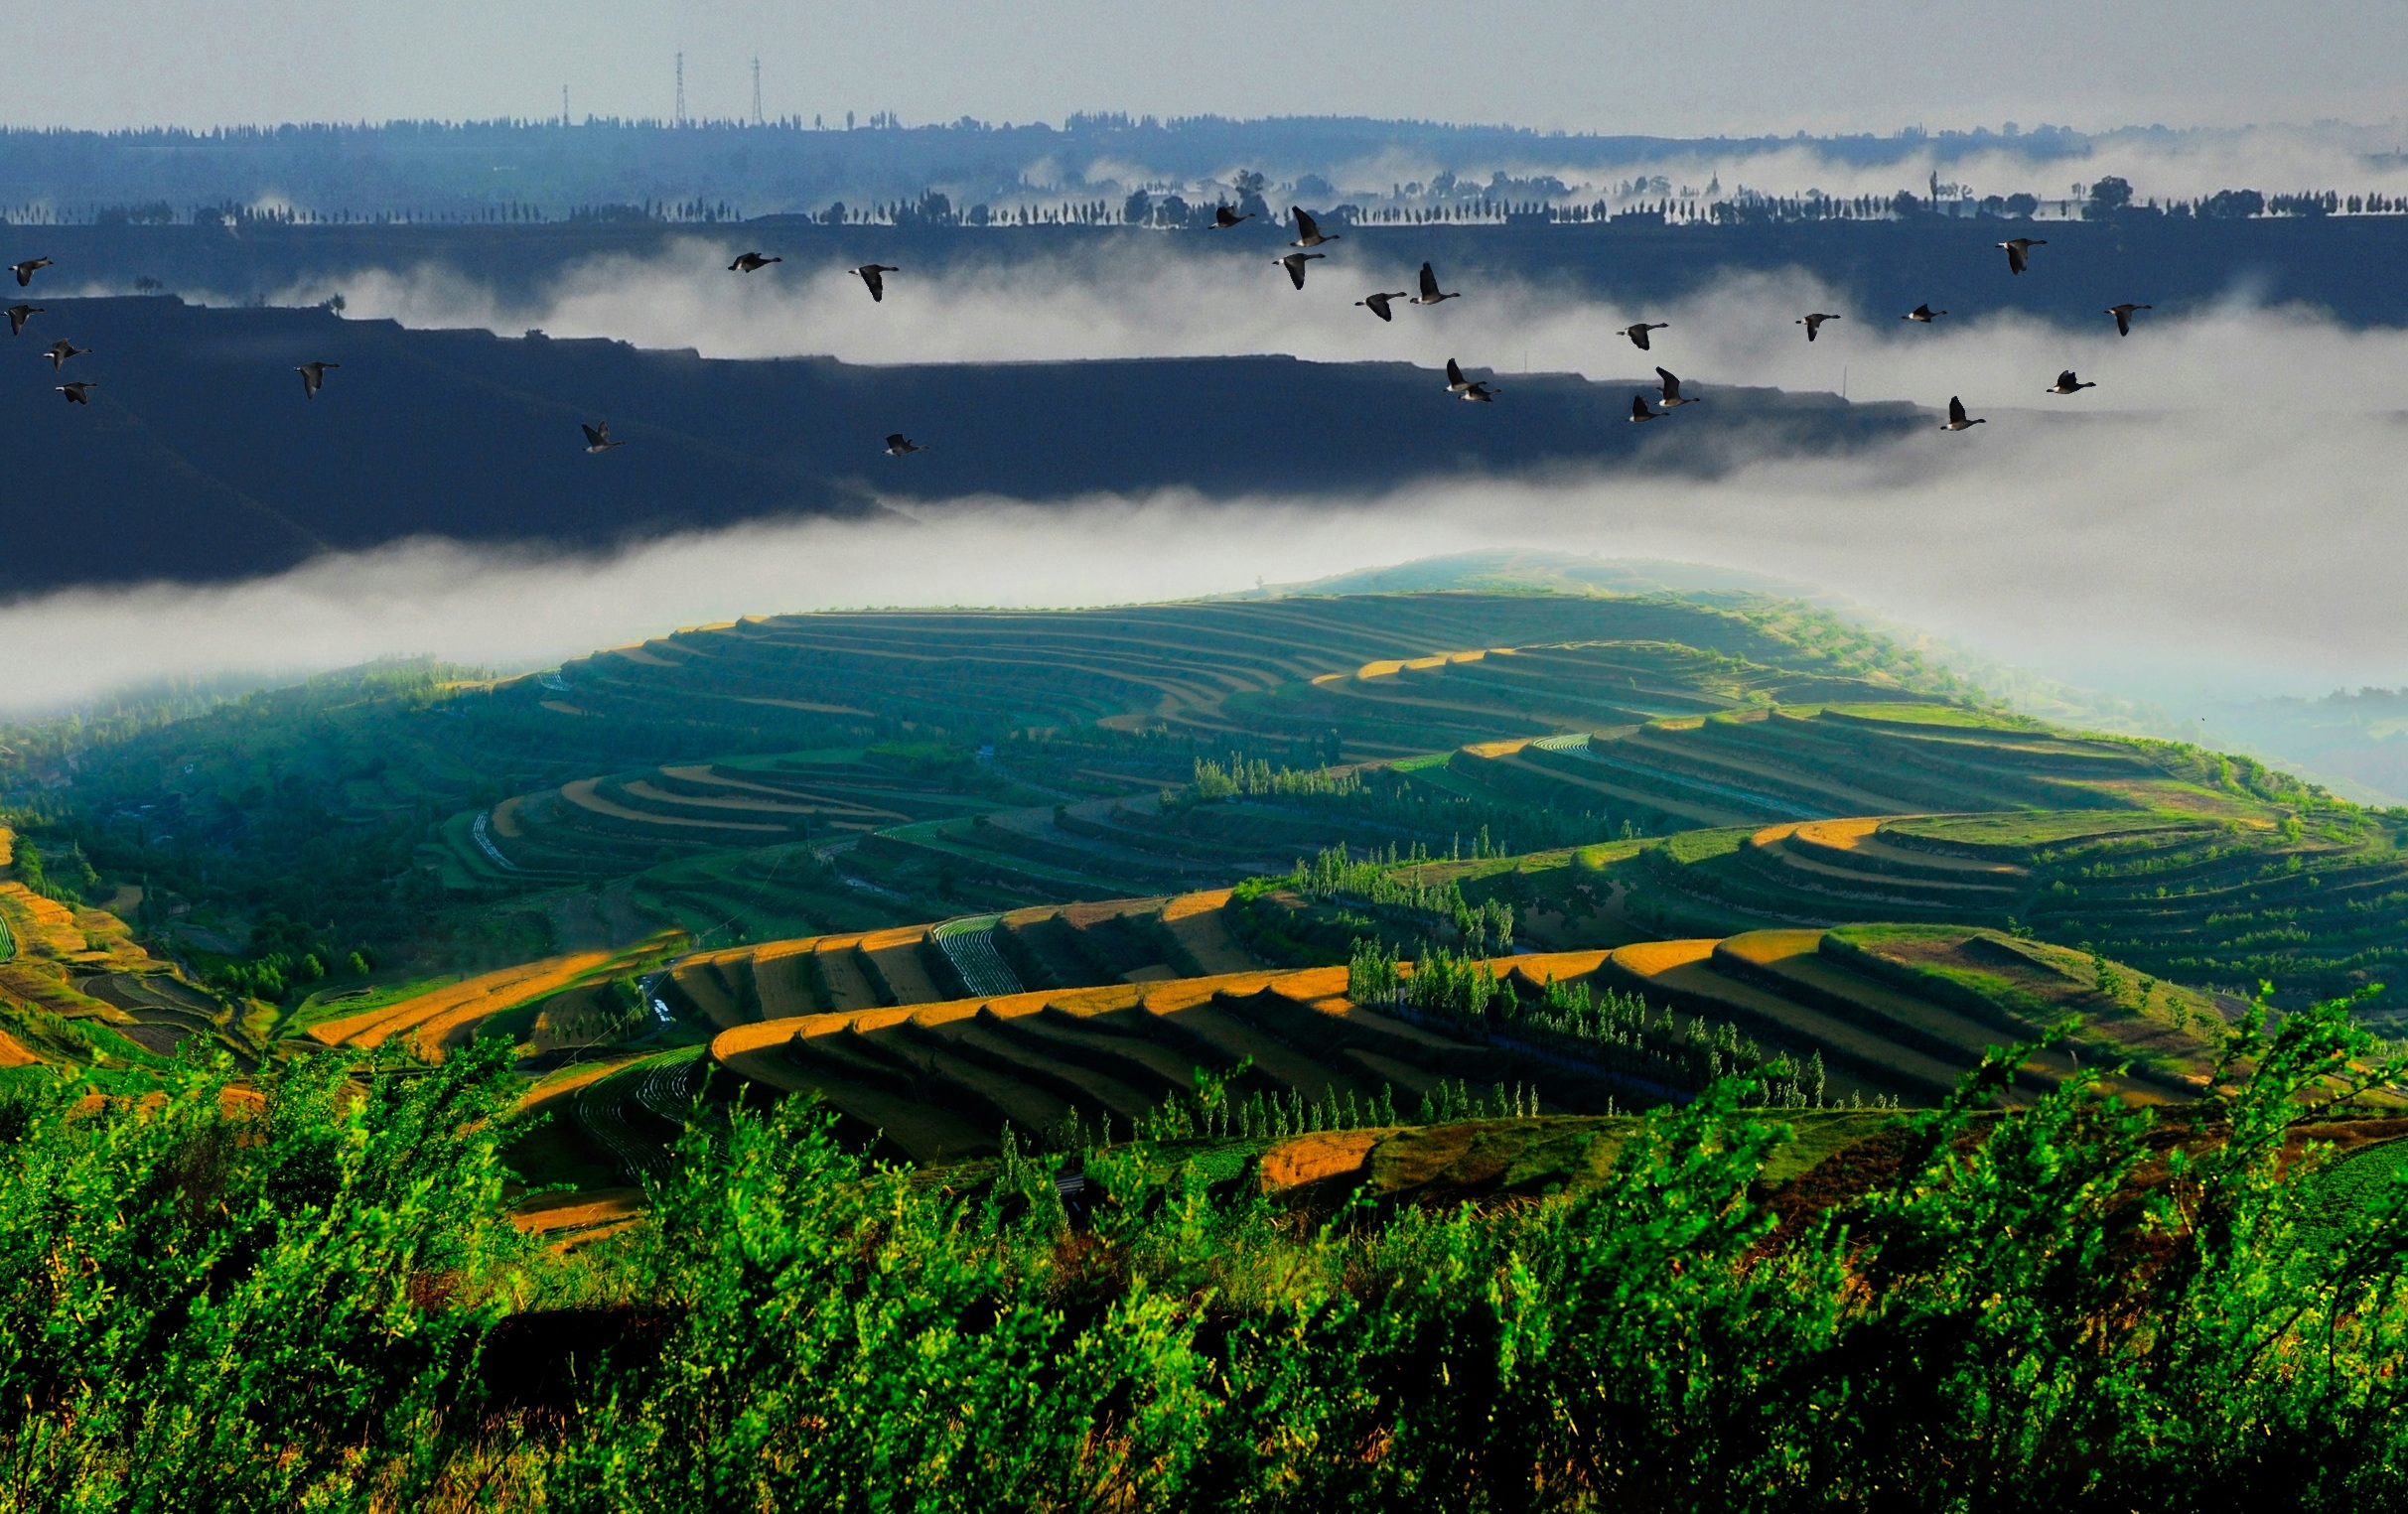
x,y
1295,270
2065,381
1429,283
1455,374
1671,384
1638,408
1304,222
1956,408
593,437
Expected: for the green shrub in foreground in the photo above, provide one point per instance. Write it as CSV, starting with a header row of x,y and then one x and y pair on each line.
x,y
2075,1306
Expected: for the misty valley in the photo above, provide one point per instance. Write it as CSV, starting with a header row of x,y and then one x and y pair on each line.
x,y
1071,840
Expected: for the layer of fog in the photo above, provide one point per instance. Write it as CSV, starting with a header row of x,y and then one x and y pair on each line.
x,y
2172,166
1172,303
2255,552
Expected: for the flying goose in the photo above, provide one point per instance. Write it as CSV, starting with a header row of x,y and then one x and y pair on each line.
x,y
1640,410
2123,317
60,350
598,437
898,445
2018,249
77,390
24,272
1924,313
1307,235
1481,392
874,275
1456,382
2068,384
17,315
751,262
1639,334
1223,218
1673,398
1377,304
1815,322
1295,262
1429,288
312,377
1957,417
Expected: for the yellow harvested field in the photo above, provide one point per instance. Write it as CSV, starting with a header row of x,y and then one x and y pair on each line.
x,y
581,793
551,1213
1389,666
50,924
1841,834
848,987
1649,958
642,654
643,789
8,846
782,976
470,997
1196,922
504,818
896,955
569,1080
705,981
561,707
1764,947
13,1052
1310,1158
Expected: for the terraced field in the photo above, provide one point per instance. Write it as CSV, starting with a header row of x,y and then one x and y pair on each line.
x,y
612,825
1398,672
76,990
1755,766
1046,947
929,720
1892,1013
550,1005
2320,906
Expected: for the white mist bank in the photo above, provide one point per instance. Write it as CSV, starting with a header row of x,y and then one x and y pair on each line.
x,y
1111,302
2256,552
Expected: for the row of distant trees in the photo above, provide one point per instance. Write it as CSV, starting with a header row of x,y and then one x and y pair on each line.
x,y
2108,197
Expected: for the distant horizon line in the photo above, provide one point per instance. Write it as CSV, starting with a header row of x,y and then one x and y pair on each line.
x,y
1096,121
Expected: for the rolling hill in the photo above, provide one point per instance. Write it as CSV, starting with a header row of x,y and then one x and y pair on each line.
x,y
198,459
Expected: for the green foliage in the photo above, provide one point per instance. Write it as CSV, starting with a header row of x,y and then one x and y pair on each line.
x,y
2077,1305
267,1307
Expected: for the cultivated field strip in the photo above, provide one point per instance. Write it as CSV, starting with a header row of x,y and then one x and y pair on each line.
x,y
458,1004
1891,1013
1072,946
2203,898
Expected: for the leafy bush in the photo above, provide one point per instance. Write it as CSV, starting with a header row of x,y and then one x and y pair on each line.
x,y
2078,1305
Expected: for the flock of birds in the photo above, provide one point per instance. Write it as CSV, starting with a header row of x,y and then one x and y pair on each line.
x,y
1309,236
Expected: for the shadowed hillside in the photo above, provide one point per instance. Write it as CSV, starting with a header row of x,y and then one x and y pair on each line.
x,y
199,458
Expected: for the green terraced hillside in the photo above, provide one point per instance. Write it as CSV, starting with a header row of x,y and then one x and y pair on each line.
x,y
2317,902
1024,753
1396,674
1756,767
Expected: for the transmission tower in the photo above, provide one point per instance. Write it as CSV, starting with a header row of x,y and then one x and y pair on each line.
x,y
757,92
681,89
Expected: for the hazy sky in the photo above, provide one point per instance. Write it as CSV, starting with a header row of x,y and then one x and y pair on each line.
x,y
1576,65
